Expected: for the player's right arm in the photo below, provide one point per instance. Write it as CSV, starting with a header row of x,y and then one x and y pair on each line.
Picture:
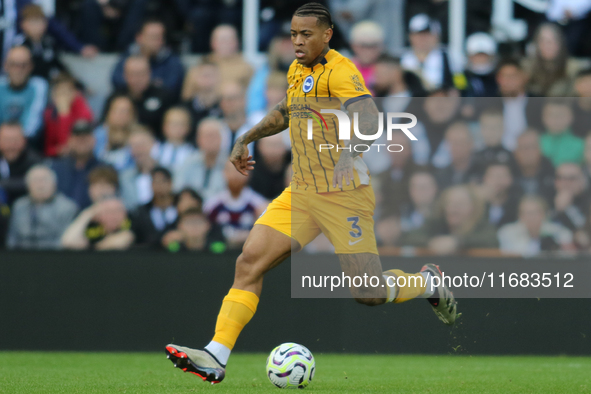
x,y
274,122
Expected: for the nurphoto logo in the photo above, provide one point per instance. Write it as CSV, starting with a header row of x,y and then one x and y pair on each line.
x,y
344,128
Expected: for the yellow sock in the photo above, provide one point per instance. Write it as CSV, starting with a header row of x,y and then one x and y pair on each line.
x,y
408,286
237,309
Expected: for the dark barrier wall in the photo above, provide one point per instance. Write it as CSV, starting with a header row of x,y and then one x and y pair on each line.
x,y
142,301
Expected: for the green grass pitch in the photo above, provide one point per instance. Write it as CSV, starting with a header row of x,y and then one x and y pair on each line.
x,y
24,372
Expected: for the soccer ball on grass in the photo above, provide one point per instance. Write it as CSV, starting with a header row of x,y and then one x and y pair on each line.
x,y
290,366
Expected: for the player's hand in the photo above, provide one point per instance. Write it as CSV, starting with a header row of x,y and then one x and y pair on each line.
x,y
241,159
343,169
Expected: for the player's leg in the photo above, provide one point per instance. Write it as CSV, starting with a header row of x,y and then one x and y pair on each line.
x,y
346,218
276,234
397,286
379,287
264,249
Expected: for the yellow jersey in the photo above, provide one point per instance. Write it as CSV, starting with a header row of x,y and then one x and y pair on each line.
x,y
333,83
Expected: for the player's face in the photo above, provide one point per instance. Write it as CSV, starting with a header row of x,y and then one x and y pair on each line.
x,y
308,38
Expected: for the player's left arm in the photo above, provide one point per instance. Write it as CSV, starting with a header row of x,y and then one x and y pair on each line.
x,y
368,124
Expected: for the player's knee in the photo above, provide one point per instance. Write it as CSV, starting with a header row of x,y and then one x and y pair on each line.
x,y
248,265
370,301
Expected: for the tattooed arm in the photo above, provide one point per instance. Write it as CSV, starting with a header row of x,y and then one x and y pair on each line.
x,y
274,122
368,125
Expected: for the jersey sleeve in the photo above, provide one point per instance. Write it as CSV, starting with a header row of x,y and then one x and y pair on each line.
x,y
348,86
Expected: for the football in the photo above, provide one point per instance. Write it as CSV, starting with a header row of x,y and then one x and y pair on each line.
x,y
290,366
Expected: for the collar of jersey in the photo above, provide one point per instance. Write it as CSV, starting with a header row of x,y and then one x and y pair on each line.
x,y
328,57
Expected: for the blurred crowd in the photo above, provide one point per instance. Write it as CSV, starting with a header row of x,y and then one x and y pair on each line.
x,y
502,160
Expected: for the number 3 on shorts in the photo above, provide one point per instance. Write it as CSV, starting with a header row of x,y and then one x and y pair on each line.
x,y
356,230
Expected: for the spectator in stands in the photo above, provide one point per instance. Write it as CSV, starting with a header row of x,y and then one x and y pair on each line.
x,y
112,136
582,105
4,218
391,80
533,233
574,18
10,12
571,202
151,101
276,86
426,57
279,59
460,144
73,169
153,218
136,181
22,97
167,71
194,233
225,54
235,209
272,159
458,224
491,129
102,226
587,158
518,110
110,24
233,108
184,200
39,219
16,158
103,183
481,49
203,171
203,16
201,93
388,231
392,185
422,190
66,107
558,142
551,70
500,194
188,198
534,173
582,236
367,43
438,112
44,50
175,149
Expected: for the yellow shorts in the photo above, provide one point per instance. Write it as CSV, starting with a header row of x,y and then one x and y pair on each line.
x,y
345,217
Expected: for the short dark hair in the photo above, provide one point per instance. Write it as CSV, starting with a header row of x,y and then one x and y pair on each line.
x,y
63,77
509,62
193,193
388,59
32,11
149,21
105,174
316,10
162,170
11,123
192,212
